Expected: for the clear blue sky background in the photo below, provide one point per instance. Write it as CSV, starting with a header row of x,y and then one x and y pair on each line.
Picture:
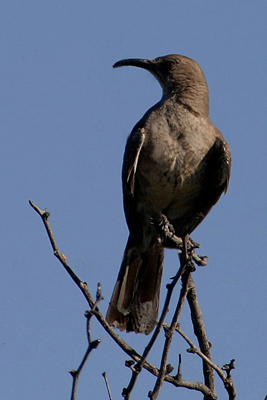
x,y
65,116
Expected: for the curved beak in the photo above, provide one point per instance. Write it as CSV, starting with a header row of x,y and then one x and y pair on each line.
x,y
135,62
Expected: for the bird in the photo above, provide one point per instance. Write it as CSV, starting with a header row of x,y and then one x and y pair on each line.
x,y
176,165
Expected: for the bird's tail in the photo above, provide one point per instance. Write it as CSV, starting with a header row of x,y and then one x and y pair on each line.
x,y
135,299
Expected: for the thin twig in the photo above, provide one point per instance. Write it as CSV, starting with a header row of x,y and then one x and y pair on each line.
x,y
107,385
200,332
227,379
170,332
44,214
195,350
229,384
193,385
92,344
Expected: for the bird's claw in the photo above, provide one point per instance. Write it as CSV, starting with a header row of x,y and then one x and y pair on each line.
x,y
166,226
201,261
167,232
192,244
163,226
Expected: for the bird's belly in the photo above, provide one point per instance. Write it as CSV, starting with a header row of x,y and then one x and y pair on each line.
x,y
159,182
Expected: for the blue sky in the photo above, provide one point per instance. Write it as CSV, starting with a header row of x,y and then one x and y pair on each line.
x,y
65,117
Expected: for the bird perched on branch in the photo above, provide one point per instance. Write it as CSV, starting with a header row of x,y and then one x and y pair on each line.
x,y
176,166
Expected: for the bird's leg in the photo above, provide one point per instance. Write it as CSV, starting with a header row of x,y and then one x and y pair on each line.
x,y
201,261
192,244
187,252
166,232
185,256
165,225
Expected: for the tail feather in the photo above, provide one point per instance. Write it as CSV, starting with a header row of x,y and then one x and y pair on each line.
x,y
135,299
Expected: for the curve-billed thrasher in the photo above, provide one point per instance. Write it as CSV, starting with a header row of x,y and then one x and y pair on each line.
x,y
176,164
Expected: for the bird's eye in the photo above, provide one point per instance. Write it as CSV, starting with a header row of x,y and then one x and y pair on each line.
x,y
170,64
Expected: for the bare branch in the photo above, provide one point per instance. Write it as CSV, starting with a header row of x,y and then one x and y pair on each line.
x,y
228,383
44,214
227,380
84,289
186,267
163,374
204,344
195,350
107,385
92,344
200,332
179,372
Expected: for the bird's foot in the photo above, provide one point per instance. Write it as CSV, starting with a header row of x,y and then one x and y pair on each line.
x,y
166,232
201,261
165,226
167,236
191,244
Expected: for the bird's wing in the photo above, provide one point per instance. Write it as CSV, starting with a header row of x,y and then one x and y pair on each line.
x,y
216,169
210,180
219,159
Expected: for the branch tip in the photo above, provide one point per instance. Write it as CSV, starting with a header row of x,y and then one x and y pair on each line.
x,y
178,377
73,372
191,350
169,369
88,314
229,367
129,363
99,296
94,344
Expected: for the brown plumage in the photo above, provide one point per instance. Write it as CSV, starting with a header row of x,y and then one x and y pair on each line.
x,y
176,163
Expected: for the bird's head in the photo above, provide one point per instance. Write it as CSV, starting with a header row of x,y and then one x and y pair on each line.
x,y
179,76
